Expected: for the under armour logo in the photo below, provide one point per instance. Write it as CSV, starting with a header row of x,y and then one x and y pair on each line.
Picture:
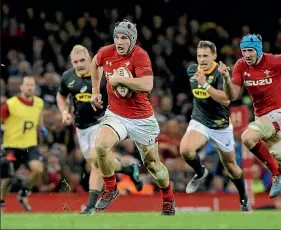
x,y
127,63
266,72
108,63
247,74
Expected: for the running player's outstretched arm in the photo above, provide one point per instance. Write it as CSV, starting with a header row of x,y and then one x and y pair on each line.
x,y
62,94
96,78
232,87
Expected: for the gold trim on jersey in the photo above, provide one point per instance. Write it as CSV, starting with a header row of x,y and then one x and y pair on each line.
x,y
85,75
200,93
214,65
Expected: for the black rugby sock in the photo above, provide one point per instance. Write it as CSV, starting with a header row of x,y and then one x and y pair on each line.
x,y
196,165
240,185
93,197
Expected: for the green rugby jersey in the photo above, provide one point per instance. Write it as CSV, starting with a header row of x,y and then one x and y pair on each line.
x,y
206,110
80,89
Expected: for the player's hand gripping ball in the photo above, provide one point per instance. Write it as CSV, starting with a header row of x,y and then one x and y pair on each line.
x,y
121,91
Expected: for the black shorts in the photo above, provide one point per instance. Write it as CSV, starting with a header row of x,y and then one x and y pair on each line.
x,y
24,156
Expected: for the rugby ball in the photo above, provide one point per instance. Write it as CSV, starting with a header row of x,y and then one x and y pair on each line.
x,y
122,91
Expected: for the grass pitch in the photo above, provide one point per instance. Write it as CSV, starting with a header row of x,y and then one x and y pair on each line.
x,y
189,220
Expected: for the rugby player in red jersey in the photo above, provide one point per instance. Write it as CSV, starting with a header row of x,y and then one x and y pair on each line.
x,y
260,74
131,117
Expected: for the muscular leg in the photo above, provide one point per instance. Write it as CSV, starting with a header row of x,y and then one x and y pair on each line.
x,y
190,143
95,184
252,138
37,169
159,172
274,145
105,141
228,160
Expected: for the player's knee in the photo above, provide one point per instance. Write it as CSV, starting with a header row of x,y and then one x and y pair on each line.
x,y
233,169
102,150
248,140
39,170
93,161
36,167
187,152
153,165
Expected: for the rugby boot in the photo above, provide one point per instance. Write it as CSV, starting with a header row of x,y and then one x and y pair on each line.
x,y
86,209
106,199
135,176
168,208
275,187
22,198
195,182
245,206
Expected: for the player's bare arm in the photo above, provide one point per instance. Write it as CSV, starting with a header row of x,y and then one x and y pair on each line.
x,y
63,108
231,90
96,98
96,78
140,85
218,95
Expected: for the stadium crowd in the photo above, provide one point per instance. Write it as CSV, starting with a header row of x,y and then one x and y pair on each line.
x,y
38,43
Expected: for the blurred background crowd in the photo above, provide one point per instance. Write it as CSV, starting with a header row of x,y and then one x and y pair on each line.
x,y
37,40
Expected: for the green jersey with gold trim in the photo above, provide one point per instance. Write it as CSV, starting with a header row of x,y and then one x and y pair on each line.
x,y
205,109
80,89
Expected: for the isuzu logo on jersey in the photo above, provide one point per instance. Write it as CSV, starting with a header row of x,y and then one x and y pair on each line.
x,y
266,81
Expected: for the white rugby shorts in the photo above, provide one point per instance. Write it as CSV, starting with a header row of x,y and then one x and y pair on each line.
x,y
144,131
223,139
87,139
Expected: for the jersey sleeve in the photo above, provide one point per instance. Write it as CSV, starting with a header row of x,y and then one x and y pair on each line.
x,y
277,61
142,65
100,56
4,111
63,89
220,82
191,70
237,77
41,103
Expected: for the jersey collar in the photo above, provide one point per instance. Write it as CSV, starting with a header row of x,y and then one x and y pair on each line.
x,y
214,65
24,101
86,75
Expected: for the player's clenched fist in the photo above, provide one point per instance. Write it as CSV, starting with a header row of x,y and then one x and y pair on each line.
x,y
96,101
66,118
200,77
224,70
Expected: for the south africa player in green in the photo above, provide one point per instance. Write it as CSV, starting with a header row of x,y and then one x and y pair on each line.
x,y
76,82
210,121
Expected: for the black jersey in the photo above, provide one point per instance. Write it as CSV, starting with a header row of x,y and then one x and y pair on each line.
x,y
80,89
